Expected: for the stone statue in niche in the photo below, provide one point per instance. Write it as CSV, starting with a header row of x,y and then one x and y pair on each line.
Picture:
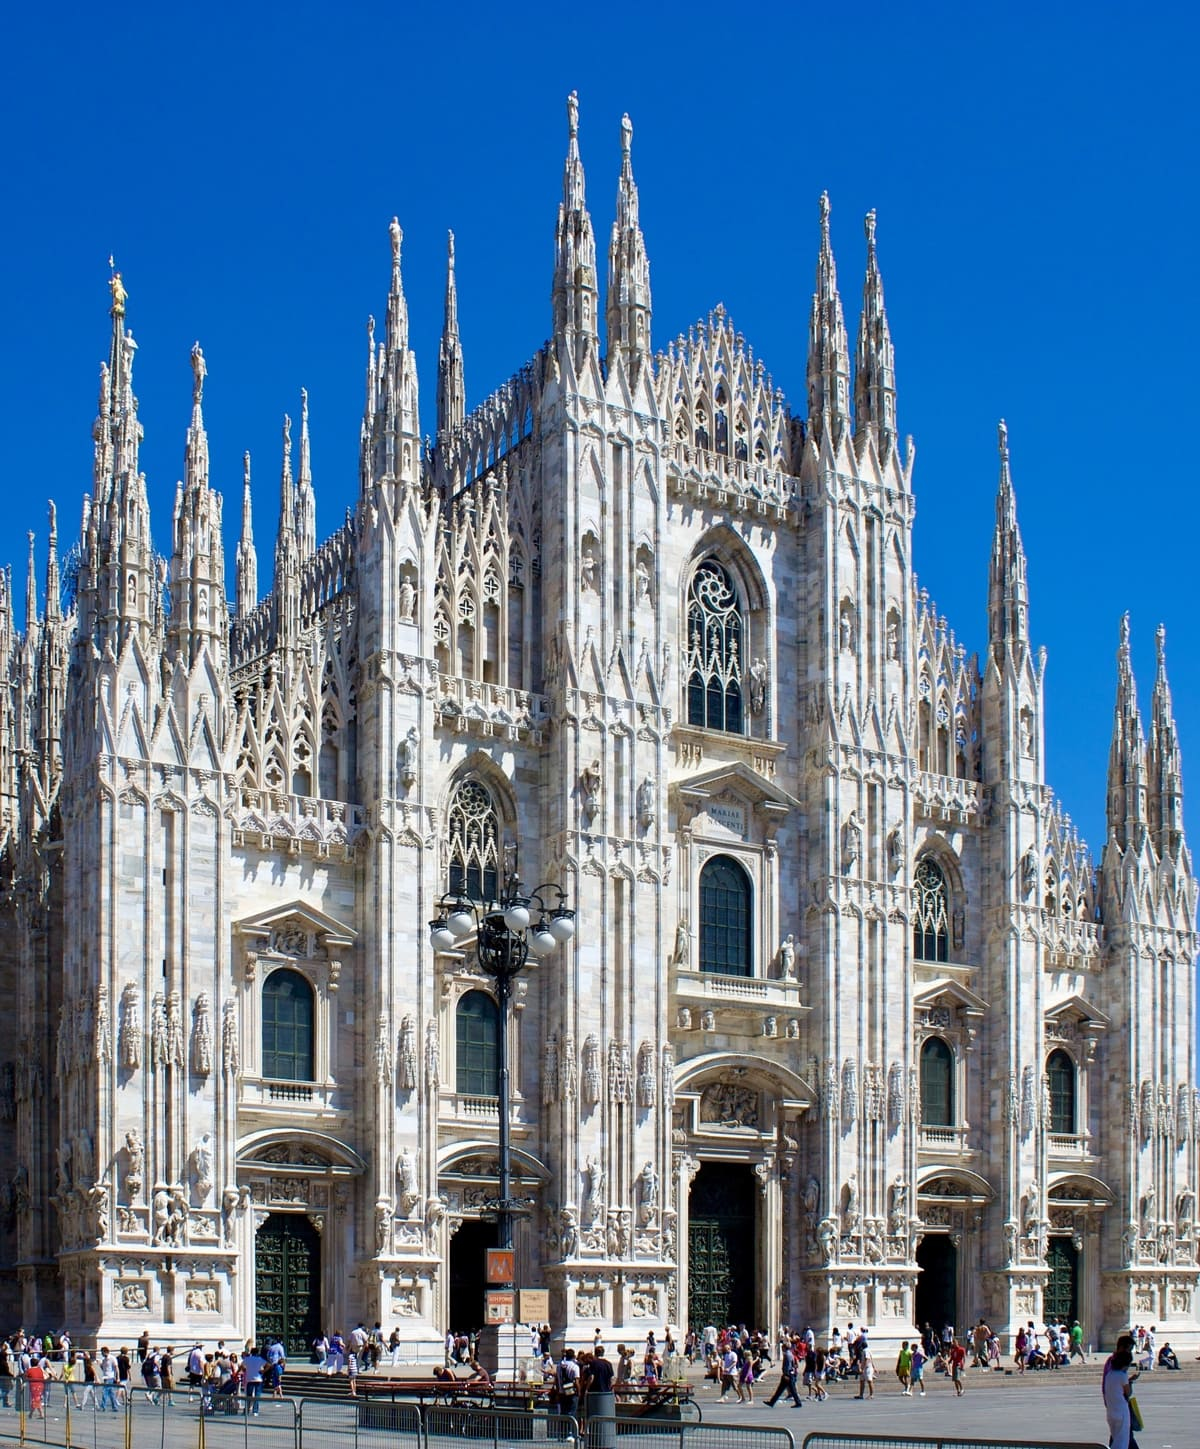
x,y
1147,1223
758,686
1029,872
135,1159
587,571
594,1175
1031,1207
642,582
410,749
590,782
202,1167
897,1206
846,629
851,1216
682,953
645,802
851,841
893,637
895,850
408,598
787,958
406,1171
648,1188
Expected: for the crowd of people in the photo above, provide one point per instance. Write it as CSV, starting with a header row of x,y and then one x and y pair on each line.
x,y
108,1382
736,1357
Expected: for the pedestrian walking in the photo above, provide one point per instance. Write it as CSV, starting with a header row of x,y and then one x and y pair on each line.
x,y
866,1370
787,1379
958,1363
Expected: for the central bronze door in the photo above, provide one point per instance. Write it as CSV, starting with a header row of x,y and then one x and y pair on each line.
x,y
722,1246
287,1299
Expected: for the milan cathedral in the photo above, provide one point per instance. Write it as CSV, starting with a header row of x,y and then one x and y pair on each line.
x,y
851,1026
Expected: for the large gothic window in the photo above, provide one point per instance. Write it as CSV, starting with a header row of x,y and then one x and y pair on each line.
x,y
1060,1072
930,933
477,1054
474,835
287,1028
725,918
715,649
937,1084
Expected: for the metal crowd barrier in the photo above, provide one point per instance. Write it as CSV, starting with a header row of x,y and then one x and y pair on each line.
x,y
652,1433
822,1439
444,1423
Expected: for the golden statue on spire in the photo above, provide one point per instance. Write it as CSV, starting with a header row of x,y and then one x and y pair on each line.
x,y
119,294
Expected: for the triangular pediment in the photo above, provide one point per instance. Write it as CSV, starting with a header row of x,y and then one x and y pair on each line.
x,y
737,779
1079,1007
290,921
945,990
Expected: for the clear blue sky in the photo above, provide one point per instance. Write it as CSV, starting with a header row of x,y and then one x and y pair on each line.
x,y
1033,168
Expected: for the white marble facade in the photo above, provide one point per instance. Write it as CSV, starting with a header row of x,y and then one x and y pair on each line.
x,y
669,623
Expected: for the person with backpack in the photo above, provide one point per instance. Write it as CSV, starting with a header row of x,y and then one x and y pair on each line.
x,y
566,1383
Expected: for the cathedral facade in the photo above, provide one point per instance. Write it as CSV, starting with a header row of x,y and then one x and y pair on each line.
x,y
851,1026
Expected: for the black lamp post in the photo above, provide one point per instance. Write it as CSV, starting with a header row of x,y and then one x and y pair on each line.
x,y
505,939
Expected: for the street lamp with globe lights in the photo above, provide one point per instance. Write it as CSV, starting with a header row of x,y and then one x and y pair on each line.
x,y
506,935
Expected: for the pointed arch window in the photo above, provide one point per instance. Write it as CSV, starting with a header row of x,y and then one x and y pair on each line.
x,y
930,915
287,1028
1060,1074
715,649
937,1084
477,1050
474,829
725,914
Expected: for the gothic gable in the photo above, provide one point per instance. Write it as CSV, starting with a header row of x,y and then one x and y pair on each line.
x,y
295,929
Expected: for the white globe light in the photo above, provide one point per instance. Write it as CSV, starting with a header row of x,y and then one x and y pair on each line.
x,y
541,942
442,936
461,923
562,925
516,916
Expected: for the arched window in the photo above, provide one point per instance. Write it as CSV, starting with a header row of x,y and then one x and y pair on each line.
x,y
715,650
287,1028
1060,1071
725,918
930,934
937,1084
477,1055
474,835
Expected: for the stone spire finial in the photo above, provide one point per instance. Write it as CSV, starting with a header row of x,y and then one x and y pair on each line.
x,y
629,309
306,499
53,586
574,289
246,558
31,608
1164,765
451,386
1127,816
199,372
875,374
828,347
1008,588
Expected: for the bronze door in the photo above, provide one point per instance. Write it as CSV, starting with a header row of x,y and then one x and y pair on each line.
x,y
722,1246
1062,1286
288,1283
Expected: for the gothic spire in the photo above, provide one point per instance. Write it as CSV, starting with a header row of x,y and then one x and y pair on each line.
x,y
1127,756
196,463
247,559
306,499
53,586
287,557
875,373
574,291
628,315
391,422
31,607
828,347
451,385
1164,767
1008,589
